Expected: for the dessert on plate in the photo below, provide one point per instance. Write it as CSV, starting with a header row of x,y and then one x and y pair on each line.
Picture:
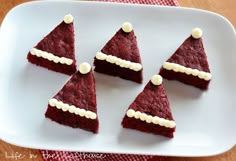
x,y
120,56
56,51
150,111
189,63
75,104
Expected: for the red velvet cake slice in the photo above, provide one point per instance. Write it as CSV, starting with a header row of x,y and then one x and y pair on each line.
x,y
75,104
56,51
120,56
189,63
150,111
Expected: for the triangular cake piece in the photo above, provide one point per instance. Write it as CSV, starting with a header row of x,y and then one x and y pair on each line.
x,y
189,63
75,104
150,111
56,51
120,56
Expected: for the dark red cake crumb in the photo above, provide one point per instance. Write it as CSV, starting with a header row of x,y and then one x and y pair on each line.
x,y
124,46
80,92
151,101
114,70
59,42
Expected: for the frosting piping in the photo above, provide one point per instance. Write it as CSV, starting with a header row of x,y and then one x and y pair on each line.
x,y
150,119
118,61
182,69
72,109
51,57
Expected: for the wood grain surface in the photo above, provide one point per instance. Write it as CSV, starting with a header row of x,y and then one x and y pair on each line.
x,y
227,8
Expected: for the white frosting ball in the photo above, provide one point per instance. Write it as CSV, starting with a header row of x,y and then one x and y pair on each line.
x,y
127,27
69,61
56,59
156,79
33,51
172,124
207,76
60,105
155,120
169,66
143,116
62,60
137,67
195,72
196,33
188,71
101,56
84,68
77,111
130,113
82,112
118,61
91,115
50,57
52,102
71,108
162,121
110,59
68,19
64,107
149,119
137,114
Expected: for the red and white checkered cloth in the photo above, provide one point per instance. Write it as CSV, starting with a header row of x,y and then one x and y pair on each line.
x,y
153,2
49,155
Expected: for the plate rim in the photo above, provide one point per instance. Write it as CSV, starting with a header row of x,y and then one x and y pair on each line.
x,y
108,3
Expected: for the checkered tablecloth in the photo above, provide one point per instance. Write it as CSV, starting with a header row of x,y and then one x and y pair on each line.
x,y
49,155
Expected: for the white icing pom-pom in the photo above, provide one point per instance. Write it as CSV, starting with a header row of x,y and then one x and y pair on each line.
x,y
156,79
68,19
196,33
84,68
127,27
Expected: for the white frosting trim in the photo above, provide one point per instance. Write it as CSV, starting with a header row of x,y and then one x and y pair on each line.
x,y
72,109
118,61
182,69
51,57
84,68
150,119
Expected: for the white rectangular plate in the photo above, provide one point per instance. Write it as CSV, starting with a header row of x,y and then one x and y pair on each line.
x,y
205,119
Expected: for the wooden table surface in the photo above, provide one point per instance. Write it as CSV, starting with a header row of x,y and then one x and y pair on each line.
x,y
226,8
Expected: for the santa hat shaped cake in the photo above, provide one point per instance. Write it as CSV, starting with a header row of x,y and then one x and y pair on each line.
x,y
56,51
150,111
120,56
75,104
189,63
